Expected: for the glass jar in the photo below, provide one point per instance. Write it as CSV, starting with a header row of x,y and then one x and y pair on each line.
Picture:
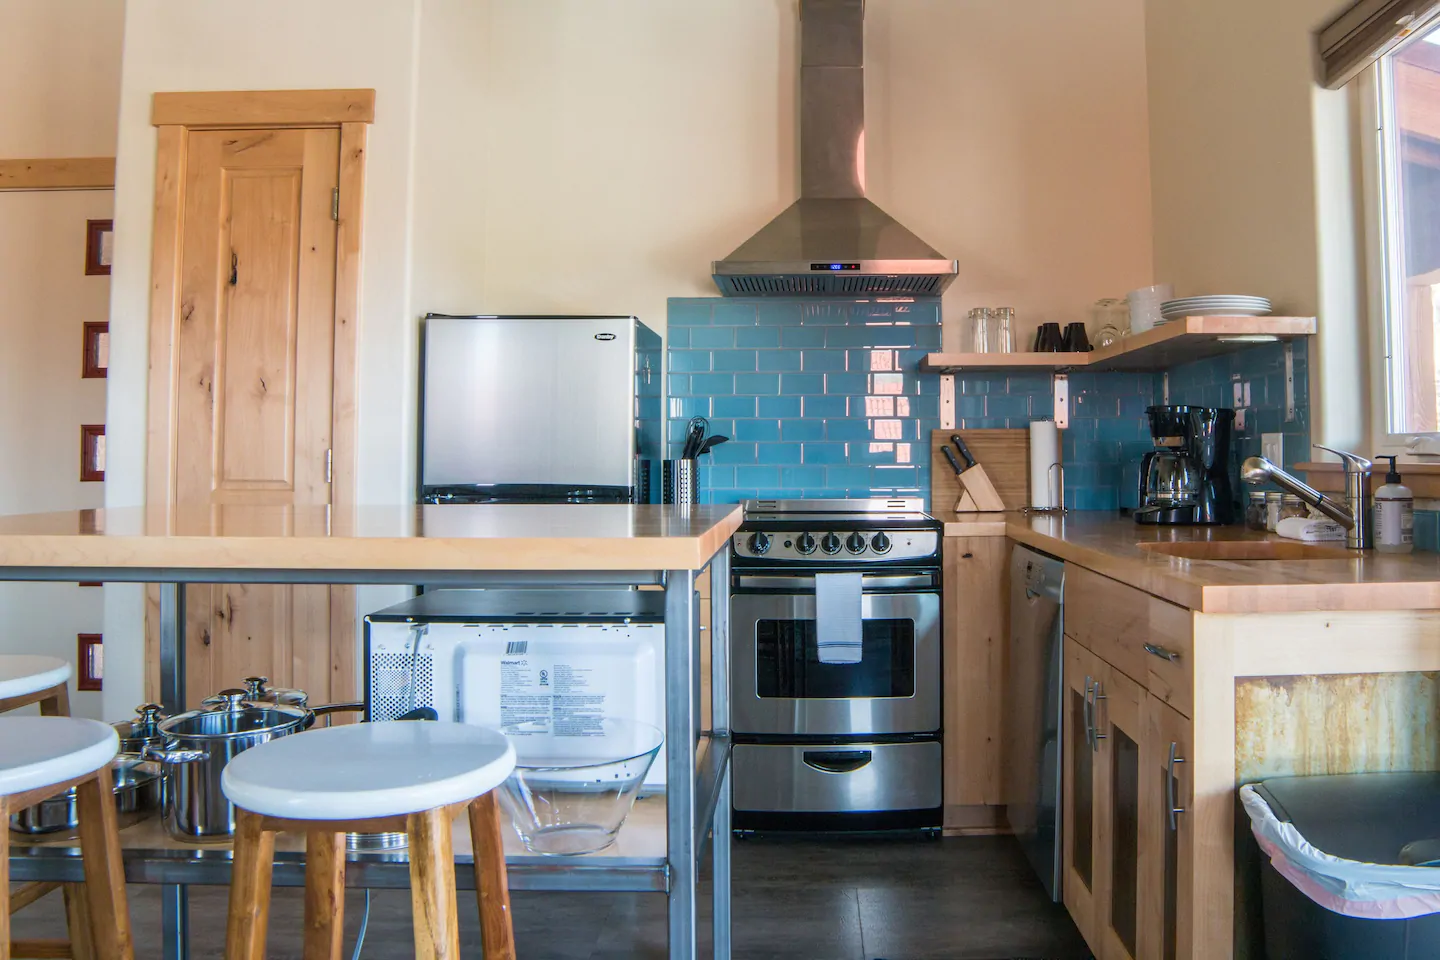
x,y
1273,502
1255,511
1002,330
980,330
1292,506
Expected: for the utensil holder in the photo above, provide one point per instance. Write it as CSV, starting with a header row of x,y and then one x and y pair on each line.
x,y
680,482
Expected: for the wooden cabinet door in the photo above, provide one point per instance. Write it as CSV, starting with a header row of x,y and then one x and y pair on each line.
x,y
1166,835
1079,821
1118,713
253,406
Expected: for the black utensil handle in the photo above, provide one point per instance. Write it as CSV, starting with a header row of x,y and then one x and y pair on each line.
x,y
837,761
964,450
955,464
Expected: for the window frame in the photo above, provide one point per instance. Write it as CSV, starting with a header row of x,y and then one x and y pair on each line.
x,y
1384,287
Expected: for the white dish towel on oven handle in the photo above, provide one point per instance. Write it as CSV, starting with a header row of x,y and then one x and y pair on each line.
x,y
838,617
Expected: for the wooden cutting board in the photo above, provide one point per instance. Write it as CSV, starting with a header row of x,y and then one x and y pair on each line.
x,y
1005,454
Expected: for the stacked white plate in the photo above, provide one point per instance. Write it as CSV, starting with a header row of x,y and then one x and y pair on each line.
x,y
1220,305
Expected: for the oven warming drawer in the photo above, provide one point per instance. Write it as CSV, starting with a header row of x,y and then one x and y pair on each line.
x,y
848,778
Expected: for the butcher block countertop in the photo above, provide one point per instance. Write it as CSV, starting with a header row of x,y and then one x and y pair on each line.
x,y
451,537
1223,569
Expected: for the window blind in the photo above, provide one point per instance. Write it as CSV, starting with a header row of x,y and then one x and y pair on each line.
x,y
1366,31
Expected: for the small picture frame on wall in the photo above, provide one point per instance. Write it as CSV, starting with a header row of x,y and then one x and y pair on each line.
x,y
92,452
91,659
99,247
96,360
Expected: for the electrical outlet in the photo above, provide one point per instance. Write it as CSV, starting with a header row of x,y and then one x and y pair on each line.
x,y
1272,447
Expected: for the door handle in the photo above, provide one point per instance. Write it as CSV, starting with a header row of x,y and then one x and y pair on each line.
x,y
1095,716
1085,712
1170,788
837,761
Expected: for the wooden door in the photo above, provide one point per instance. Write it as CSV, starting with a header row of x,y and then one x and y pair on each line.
x,y
1118,713
1166,835
253,408
1079,823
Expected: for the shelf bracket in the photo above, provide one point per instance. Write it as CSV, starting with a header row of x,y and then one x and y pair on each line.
x,y
947,401
1061,385
1289,381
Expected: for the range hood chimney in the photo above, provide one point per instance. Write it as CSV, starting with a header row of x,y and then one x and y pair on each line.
x,y
833,241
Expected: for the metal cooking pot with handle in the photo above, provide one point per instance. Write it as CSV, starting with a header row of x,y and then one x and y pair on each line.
x,y
258,690
198,744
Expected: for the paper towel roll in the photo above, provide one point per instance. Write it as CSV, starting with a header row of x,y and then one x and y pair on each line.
x,y
1044,454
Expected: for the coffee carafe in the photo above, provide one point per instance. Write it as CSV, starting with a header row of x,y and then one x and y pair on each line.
x,y
1186,478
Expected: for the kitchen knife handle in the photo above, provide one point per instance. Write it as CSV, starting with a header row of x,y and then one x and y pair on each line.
x,y
964,450
953,462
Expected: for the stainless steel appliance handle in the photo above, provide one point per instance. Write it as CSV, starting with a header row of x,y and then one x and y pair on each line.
x,y
1170,787
836,761
1085,712
1156,650
808,583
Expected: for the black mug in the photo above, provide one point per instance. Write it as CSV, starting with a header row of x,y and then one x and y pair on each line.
x,y
1076,340
1049,339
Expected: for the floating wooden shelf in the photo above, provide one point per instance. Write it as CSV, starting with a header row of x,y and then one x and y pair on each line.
x,y
1180,341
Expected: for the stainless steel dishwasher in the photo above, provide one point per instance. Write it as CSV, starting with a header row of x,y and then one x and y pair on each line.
x,y
1034,695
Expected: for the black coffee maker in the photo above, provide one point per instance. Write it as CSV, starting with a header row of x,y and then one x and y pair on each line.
x,y
1186,479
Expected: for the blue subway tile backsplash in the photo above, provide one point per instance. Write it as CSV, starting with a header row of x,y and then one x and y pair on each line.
x,y
825,398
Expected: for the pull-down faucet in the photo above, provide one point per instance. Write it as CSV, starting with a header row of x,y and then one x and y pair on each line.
x,y
1353,514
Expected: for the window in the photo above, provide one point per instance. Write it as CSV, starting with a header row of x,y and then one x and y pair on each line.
x,y
1404,173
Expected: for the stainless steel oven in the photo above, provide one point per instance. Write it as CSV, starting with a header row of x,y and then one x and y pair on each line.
x,y
821,742
779,685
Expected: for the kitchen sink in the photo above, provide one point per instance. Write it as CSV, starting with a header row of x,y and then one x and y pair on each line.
x,y
1249,550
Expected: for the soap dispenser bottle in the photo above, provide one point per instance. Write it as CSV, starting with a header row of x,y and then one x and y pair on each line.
x,y
1394,514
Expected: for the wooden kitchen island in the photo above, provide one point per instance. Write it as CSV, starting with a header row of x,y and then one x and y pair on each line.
x,y
1195,659
471,545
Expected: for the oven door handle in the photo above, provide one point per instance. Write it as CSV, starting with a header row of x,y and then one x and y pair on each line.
x,y
837,761
878,582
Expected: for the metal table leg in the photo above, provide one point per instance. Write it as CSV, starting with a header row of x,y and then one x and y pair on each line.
x,y
682,626
720,726
174,898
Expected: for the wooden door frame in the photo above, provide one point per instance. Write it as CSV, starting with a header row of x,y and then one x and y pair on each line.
x,y
174,115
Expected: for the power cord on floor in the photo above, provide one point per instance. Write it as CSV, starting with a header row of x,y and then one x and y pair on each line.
x,y
364,922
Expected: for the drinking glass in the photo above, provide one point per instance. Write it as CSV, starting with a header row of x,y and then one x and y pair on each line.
x,y
1002,330
980,330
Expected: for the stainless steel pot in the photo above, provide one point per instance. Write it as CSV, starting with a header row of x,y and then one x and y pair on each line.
x,y
258,690
136,788
198,744
143,731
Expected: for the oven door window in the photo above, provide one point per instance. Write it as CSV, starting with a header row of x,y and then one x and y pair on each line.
x,y
788,662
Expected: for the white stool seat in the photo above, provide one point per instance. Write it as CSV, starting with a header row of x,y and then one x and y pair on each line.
x,y
22,673
40,751
365,770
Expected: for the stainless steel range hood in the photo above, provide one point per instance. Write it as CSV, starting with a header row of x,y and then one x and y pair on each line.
x,y
833,241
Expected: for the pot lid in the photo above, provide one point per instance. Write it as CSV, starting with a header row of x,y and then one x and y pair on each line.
x,y
229,714
258,690
144,725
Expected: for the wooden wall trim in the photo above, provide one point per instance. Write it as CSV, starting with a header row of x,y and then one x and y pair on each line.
x,y
1423,479
263,108
58,173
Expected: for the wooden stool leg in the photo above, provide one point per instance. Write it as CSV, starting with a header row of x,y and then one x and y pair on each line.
x,y
492,886
324,895
5,878
56,702
78,922
104,868
249,916
432,886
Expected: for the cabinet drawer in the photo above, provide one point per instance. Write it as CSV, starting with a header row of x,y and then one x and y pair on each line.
x,y
1144,637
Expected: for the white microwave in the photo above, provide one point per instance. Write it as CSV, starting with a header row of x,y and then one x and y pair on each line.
x,y
499,658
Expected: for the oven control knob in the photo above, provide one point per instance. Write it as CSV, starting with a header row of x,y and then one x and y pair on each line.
x,y
855,543
830,543
805,544
881,543
759,543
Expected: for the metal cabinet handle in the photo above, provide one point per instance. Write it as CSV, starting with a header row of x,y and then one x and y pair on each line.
x,y
1096,721
836,761
1089,723
1162,653
1170,787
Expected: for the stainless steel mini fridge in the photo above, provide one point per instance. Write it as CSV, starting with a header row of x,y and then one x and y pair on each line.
x,y
539,409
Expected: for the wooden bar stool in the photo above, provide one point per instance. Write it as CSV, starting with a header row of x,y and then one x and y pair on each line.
x,y
26,678
370,777
41,757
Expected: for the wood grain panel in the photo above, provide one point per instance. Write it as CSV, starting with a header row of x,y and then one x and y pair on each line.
x,y
267,108
1357,723
1005,454
59,173
976,628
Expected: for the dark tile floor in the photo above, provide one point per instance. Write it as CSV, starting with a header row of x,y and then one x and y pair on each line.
x,y
958,899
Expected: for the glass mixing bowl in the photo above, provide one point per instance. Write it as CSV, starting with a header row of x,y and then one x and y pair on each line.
x,y
575,781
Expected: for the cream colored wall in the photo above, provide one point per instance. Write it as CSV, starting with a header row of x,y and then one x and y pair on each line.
x,y
1253,178
59,63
